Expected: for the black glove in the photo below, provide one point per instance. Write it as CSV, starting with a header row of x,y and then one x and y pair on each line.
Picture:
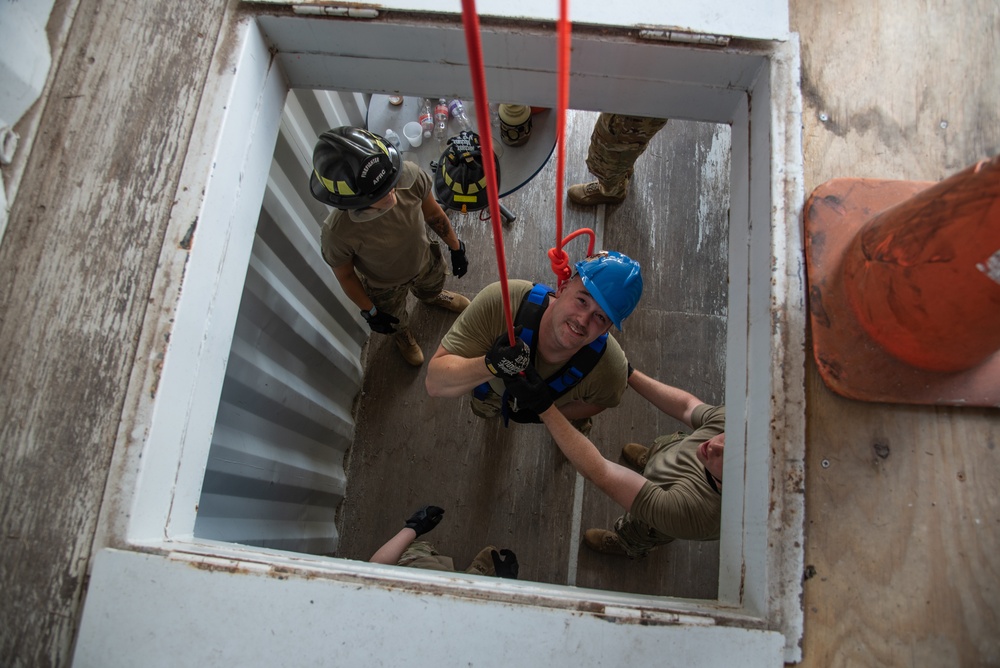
x,y
381,322
530,391
425,519
459,263
631,369
506,361
505,563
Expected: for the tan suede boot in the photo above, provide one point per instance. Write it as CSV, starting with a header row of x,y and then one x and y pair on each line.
x,y
408,347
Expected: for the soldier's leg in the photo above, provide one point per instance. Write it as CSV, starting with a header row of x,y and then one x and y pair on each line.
x,y
428,285
390,300
638,538
393,300
615,144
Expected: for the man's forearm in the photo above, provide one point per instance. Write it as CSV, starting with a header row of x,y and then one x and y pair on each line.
x,y
442,227
673,401
450,375
352,286
619,483
577,410
393,548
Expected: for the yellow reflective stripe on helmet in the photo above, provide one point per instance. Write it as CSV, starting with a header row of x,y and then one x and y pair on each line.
x,y
464,198
337,188
378,141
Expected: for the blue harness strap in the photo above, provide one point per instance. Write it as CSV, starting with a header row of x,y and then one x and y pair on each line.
x,y
528,318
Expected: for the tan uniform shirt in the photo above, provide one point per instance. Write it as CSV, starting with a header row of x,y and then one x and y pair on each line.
x,y
391,249
677,498
475,330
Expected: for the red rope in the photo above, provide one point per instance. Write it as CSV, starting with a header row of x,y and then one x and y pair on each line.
x,y
473,44
560,261
562,101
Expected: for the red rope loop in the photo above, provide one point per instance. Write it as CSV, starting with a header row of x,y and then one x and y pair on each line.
x,y
560,264
560,261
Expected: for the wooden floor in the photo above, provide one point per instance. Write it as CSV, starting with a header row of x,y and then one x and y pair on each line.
x,y
901,550
511,487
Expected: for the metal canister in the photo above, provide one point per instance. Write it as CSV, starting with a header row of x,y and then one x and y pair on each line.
x,y
515,123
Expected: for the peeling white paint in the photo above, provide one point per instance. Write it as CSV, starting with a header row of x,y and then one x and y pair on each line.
x,y
712,190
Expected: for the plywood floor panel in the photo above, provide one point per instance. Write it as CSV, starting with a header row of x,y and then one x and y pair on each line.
x,y
901,504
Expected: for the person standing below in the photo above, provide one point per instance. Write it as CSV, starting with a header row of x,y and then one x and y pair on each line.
x,y
678,494
376,238
616,143
404,550
563,334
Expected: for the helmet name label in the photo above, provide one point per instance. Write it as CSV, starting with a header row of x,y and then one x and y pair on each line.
x,y
374,179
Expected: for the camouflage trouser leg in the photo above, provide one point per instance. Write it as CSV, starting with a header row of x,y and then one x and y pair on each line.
x,y
422,554
638,538
391,300
427,285
615,144
430,282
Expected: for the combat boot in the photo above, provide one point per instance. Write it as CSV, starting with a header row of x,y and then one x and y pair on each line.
x,y
483,563
408,347
635,455
604,541
591,194
450,301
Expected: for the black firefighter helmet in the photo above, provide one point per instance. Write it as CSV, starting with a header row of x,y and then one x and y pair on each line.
x,y
460,180
353,168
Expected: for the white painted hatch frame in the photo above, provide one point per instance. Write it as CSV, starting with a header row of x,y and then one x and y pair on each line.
x,y
155,590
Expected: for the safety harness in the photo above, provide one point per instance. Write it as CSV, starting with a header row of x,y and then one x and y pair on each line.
x,y
528,318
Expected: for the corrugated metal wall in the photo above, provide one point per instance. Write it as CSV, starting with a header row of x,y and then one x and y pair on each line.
x,y
275,473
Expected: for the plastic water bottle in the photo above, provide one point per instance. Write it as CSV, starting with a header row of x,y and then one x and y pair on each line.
x,y
457,110
426,118
392,137
441,118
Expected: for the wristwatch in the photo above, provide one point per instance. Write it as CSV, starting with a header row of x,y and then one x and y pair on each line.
x,y
368,315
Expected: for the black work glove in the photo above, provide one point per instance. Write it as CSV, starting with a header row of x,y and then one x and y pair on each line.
x,y
506,361
459,263
381,322
529,392
425,519
505,563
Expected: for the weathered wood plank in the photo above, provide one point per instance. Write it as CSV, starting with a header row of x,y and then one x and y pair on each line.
x,y
84,237
902,512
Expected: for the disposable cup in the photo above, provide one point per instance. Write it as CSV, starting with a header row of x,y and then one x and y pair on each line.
x,y
413,133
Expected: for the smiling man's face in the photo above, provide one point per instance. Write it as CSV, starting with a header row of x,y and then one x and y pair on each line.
x,y
574,318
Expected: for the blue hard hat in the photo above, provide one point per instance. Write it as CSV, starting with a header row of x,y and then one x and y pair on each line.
x,y
614,281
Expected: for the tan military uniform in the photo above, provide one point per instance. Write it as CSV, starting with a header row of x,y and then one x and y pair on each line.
x,y
678,501
392,253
